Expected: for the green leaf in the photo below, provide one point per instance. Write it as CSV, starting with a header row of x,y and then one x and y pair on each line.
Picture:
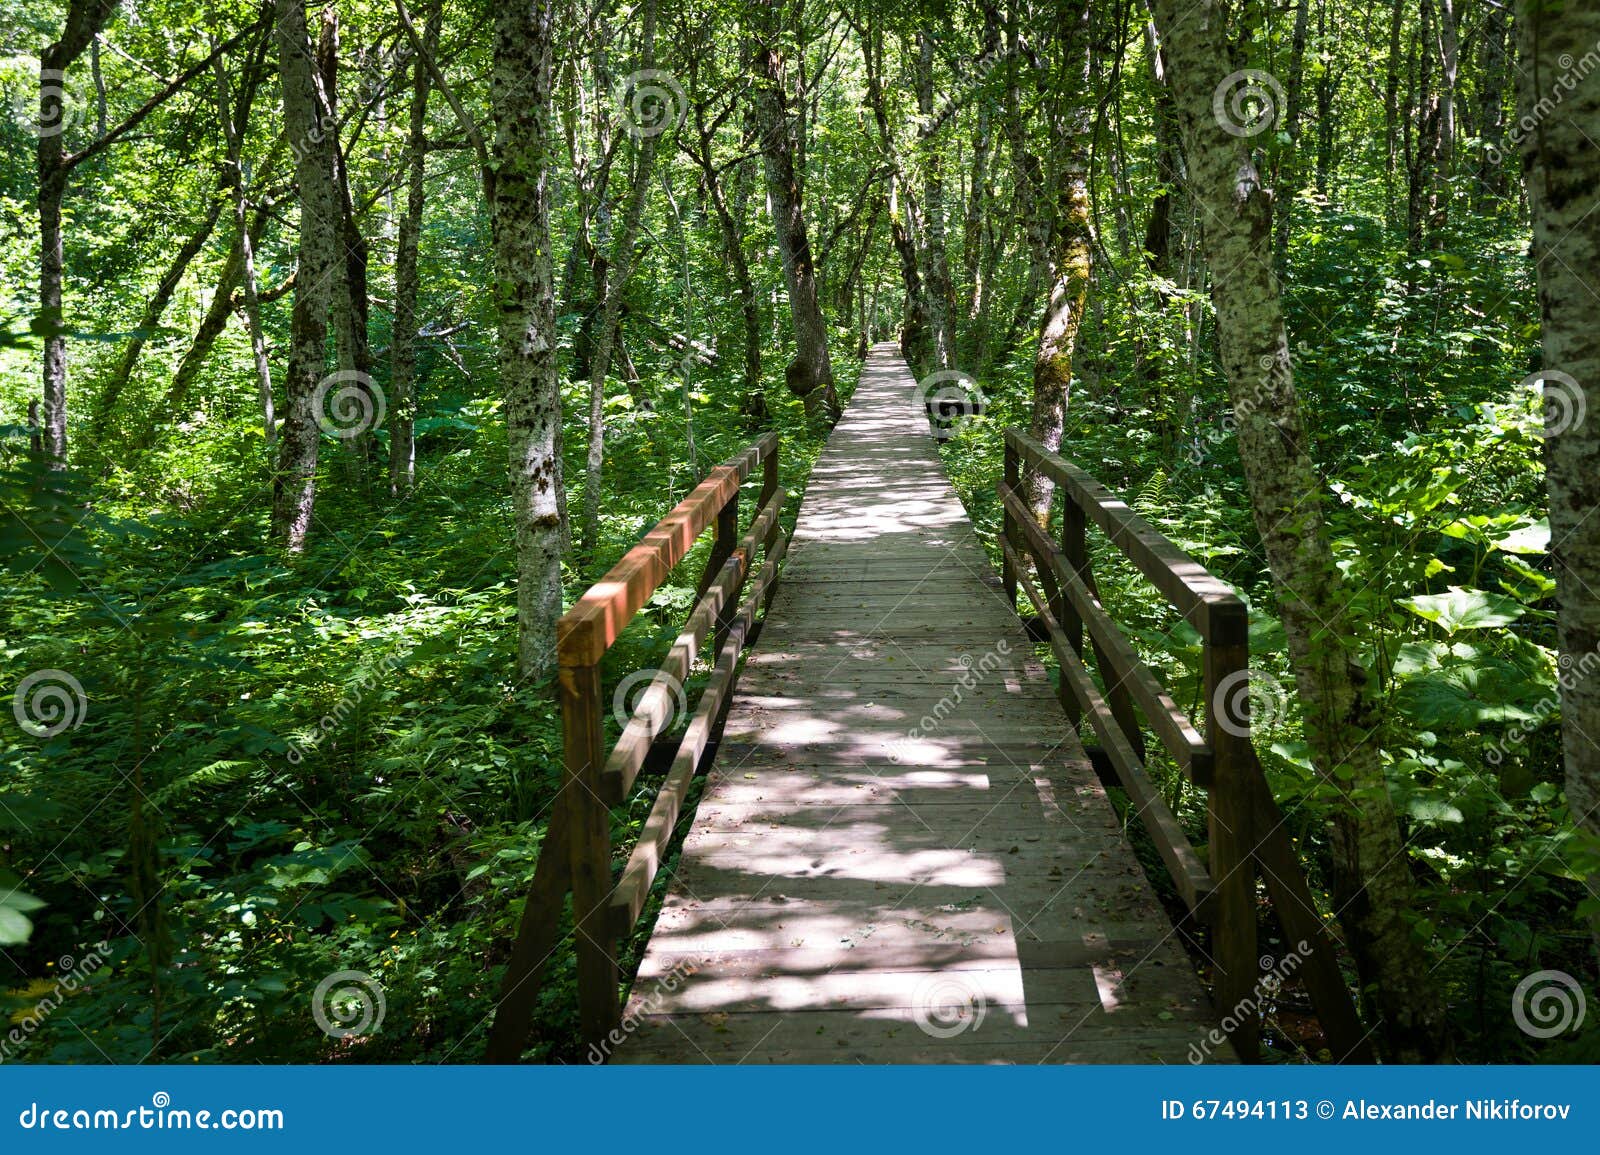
x,y
1459,609
15,926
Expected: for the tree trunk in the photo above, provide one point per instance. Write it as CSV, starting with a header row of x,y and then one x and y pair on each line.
x,y
520,95
150,319
408,246
1372,881
234,125
613,279
940,296
306,123
1562,166
809,375
84,20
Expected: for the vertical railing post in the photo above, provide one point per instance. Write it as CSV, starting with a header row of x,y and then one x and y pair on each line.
x,y
769,488
1075,548
1232,857
1008,579
589,831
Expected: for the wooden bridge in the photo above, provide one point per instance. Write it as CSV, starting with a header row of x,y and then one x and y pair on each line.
x,y
903,852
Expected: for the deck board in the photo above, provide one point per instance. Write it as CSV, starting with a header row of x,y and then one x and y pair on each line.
x,y
902,853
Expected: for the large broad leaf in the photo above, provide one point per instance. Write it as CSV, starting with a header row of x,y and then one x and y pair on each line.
x,y
15,926
1466,695
1459,609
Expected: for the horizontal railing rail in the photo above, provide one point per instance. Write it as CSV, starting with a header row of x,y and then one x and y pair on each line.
x,y
576,853
1245,830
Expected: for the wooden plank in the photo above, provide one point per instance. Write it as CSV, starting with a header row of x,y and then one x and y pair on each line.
x,y
1120,666
1193,882
835,820
587,630
634,888
653,709
1190,588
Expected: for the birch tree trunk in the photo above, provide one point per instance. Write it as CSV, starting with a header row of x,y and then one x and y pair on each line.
x,y
408,246
84,20
1562,167
520,96
809,375
316,278
1372,881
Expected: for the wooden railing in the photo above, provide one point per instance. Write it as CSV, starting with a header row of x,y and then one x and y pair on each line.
x,y
1245,827
576,853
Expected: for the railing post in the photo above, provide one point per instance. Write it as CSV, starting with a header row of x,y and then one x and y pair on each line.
x,y
589,831
1075,548
1008,579
1233,912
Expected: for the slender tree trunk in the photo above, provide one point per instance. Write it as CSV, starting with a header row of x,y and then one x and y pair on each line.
x,y
613,283
1068,240
408,247
350,291
809,375
940,295
1286,162
150,319
1372,881
306,123
84,20
1492,102
1562,168
234,125
754,405
520,95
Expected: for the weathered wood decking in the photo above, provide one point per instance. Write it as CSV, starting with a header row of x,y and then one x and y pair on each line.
x,y
903,854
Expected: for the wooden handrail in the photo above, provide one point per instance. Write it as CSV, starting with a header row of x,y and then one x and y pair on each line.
x,y
576,853
1246,836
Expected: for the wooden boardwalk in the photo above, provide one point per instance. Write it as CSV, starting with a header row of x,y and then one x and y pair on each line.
x,y
903,853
